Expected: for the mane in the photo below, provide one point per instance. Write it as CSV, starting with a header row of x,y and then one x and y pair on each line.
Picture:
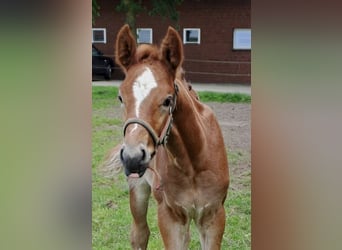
x,y
147,53
180,77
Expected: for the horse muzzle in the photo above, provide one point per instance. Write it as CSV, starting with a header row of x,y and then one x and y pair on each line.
x,y
135,159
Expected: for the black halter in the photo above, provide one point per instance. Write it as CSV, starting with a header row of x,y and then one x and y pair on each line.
x,y
157,140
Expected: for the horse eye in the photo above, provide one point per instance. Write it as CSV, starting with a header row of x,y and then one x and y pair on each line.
x,y
167,101
120,98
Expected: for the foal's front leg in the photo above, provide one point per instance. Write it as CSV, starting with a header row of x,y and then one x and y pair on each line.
x,y
211,227
139,194
174,228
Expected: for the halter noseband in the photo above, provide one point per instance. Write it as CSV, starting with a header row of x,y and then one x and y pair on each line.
x,y
162,139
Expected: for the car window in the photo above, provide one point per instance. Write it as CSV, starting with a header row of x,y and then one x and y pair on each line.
x,y
95,52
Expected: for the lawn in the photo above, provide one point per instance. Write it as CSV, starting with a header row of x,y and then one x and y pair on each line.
x,y
111,216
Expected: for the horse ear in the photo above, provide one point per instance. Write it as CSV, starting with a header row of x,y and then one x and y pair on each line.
x,y
125,48
172,49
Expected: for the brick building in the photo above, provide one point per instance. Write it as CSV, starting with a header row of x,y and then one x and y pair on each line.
x,y
216,37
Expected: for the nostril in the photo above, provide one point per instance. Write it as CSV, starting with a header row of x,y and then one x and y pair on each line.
x,y
143,151
121,154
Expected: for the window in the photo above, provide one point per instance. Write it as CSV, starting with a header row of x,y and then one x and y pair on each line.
x,y
192,36
99,35
144,35
242,39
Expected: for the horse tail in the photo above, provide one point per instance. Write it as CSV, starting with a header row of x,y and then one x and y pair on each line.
x,y
112,165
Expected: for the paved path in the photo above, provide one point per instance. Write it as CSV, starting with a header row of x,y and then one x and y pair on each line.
x,y
215,87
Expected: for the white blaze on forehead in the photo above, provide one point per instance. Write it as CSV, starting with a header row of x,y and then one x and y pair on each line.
x,y
142,87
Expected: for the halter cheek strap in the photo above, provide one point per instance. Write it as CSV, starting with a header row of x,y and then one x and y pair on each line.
x,y
157,140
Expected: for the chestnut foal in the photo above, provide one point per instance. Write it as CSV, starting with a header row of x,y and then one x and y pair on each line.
x,y
172,145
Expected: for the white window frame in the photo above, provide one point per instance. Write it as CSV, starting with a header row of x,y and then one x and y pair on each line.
x,y
145,29
104,35
192,42
242,39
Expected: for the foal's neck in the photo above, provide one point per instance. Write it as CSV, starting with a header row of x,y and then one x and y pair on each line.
x,y
187,137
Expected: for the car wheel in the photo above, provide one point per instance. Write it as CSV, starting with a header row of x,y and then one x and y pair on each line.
x,y
108,74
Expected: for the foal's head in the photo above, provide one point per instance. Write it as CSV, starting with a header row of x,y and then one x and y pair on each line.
x,y
148,95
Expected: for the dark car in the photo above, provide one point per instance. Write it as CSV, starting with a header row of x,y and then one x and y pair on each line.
x,y
101,65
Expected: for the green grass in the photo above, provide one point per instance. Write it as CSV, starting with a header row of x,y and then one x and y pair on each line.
x,y
110,210
207,96
104,97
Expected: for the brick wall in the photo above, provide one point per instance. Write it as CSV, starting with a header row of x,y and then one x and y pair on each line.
x,y
212,61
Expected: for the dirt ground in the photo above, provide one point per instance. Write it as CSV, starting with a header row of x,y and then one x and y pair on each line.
x,y
235,124
234,120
